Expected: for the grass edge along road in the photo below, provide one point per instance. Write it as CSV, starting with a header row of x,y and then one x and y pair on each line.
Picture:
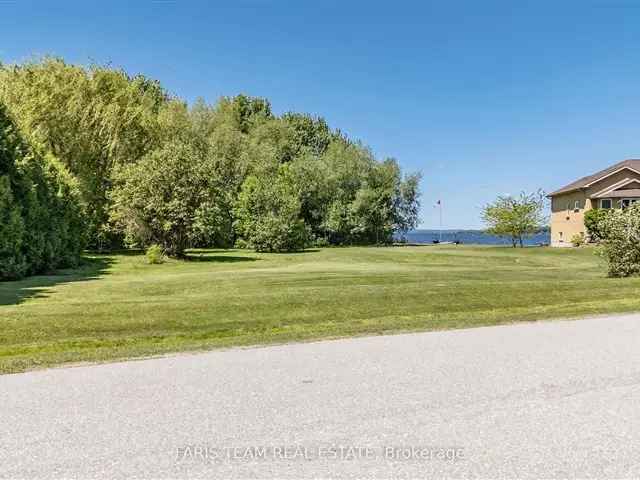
x,y
118,307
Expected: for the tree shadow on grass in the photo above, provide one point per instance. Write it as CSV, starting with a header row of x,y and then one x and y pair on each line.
x,y
129,252
191,257
38,286
300,252
206,256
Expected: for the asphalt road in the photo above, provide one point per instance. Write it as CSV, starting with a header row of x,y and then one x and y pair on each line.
x,y
550,399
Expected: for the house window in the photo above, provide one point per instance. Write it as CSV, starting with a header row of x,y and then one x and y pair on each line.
x,y
625,202
605,203
576,206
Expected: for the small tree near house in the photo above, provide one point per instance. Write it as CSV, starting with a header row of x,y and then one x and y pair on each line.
x,y
515,217
620,245
595,223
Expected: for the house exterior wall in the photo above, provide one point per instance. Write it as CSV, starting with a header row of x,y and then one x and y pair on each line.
x,y
566,220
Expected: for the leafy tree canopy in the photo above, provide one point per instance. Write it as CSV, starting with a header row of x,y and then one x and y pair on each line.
x,y
515,217
621,240
92,119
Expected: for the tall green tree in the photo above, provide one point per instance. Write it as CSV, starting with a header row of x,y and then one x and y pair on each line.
x,y
407,203
90,118
13,263
244,112
41,217
230,163
268,212
376,203
367,201
168,198
310,134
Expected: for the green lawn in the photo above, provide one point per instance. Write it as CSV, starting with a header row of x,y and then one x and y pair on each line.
x,y
117,306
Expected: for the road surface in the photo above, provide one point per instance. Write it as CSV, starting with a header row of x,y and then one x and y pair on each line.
x,y
548,399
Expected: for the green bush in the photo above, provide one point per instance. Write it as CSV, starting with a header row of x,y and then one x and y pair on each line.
x,y
621,247
41,219
578,240
275,234
321,242
594,223
155,255
242,244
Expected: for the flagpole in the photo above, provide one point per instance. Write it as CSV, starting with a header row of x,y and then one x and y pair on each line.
x,y
440,231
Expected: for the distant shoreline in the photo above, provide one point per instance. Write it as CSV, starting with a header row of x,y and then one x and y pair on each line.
x,y
469,237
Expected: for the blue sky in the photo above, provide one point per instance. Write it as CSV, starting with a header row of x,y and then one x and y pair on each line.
x,y
484,98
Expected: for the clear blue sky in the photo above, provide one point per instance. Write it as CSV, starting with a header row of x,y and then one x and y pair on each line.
x,y
483,97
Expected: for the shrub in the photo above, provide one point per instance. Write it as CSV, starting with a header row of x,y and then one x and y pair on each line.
x,y
241,243
578,239
594,223
621,246
273,233
321,242
155,255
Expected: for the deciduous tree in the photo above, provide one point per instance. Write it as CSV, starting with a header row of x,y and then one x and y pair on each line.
x,y
169,198
515,217
268,212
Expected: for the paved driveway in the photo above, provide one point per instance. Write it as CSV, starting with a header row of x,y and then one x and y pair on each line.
x,y
550,399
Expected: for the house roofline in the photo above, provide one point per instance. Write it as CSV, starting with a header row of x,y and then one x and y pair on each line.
x,y
562,191
611,173
615,186
590,179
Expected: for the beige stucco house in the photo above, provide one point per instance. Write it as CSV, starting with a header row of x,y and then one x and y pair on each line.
x,y
615,187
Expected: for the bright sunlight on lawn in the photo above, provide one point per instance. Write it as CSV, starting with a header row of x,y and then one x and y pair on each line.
x,y
117,306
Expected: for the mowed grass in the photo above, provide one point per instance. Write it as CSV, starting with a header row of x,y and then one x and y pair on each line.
x,y
117,306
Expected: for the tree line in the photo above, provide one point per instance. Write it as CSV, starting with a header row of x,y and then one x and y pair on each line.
x,y
147,168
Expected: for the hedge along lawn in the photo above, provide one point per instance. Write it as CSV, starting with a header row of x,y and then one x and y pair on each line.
x,y
117,306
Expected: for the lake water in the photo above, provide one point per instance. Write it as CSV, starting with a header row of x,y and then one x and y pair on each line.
x,y
472,237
